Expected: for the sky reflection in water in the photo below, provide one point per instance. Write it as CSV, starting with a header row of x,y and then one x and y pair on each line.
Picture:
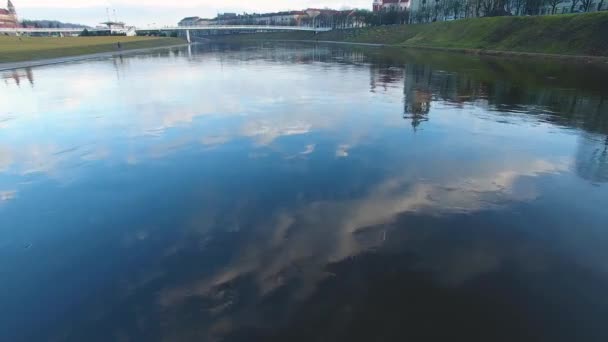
x,y
303,193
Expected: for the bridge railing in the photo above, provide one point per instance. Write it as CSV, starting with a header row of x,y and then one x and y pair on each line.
x,y
176,28
238,27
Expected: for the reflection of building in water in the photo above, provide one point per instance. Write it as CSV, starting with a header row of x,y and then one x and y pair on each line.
x,y
417,94
592,158
385,76
419,83
17,76
417,88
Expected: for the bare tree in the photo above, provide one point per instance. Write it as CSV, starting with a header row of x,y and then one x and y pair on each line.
x,y
455,6
487,6
554,4
533,7
477,8
586,5
520,4
573,7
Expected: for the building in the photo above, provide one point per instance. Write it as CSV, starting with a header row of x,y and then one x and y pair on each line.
x,y
8,16
377,5
204,22
291,18
188,21
288,18
196,21
391,5
117,27
227,16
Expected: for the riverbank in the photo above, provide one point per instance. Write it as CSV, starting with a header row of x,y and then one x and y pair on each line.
x,y
32,50
572,36
50,61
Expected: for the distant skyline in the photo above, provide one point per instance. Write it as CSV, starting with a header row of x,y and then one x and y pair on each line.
x,y
161,12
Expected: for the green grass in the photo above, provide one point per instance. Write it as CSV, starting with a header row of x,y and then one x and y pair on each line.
x,y
14,49
570,34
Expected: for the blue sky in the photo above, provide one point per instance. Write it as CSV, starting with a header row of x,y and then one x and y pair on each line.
x,y
161,12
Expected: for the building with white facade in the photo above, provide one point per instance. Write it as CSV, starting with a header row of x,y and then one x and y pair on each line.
x,y
391,5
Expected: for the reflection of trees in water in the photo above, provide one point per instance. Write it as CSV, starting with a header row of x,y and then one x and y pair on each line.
x,y
478,85
592,158
589,113
567,107
300,53
483,84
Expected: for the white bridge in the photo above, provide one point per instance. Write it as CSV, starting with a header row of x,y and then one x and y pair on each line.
x,y
187,29
240,28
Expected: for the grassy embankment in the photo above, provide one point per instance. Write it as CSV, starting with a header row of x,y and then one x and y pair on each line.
x,y
574,34
15,49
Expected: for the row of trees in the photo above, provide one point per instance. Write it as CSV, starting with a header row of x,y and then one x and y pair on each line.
x,y
425,11
440,10
48,24
480,8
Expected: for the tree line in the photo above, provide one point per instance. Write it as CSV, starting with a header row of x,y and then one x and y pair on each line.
x,y
426,11
48,24
441,10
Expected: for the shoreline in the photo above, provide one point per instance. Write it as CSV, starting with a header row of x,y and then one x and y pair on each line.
x,y
508,54
479,52
76,58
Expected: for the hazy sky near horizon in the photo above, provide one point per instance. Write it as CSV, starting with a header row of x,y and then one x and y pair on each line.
x,y
161,12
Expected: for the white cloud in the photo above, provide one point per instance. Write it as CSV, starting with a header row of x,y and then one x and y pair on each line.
x,y
309,149
7,195
342,151
318,232
6,158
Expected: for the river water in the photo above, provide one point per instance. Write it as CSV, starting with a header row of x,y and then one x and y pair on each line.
x,y
281,192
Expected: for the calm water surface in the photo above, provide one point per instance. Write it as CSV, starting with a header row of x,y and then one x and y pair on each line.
x,y
304,193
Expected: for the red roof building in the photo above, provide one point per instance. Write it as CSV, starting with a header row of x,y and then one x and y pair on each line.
x,y
8,16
